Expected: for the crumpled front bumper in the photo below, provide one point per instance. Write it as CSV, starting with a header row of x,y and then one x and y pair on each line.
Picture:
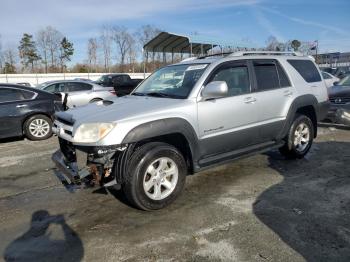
x,y
68,172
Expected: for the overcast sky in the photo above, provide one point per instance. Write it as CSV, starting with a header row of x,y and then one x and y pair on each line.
x,y
255,20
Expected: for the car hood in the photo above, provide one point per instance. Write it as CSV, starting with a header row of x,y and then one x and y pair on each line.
x,y
339,91
123,108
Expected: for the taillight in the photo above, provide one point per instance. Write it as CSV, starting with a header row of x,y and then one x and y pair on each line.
x,y
113,92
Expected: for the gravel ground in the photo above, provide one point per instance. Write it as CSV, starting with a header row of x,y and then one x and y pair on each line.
x,y
262,208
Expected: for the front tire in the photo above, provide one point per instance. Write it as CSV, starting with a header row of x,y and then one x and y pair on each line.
x,y
299,138
156,177
38,127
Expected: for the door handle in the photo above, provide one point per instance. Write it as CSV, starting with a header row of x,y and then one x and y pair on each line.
x,y
249,100
21,105
288,93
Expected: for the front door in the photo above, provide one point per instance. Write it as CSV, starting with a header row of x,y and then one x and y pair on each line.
x,y
229,123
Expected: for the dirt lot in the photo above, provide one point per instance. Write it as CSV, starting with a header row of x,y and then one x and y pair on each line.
x,y
262,208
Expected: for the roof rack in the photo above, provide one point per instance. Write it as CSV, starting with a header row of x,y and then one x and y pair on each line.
x,y
245,53
189,59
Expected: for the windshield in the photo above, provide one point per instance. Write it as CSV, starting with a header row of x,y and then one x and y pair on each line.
x,y
43,85
174,81
345,81
105,81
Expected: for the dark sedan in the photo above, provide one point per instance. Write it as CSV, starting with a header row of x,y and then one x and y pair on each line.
x,y
27,111
339,96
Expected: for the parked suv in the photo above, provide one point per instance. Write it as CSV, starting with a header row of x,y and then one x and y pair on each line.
x,y
188,117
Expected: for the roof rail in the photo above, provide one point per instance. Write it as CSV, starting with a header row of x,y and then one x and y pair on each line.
x,y
189,59
244,53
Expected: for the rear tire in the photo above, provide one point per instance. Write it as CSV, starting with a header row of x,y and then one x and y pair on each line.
x,y
38,127
156,177
299,138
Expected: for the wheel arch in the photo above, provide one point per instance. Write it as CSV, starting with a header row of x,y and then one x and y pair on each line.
x,y
306,105
25,119
177,132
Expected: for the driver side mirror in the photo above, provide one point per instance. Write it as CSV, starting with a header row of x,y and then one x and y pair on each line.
x,y
215,89
336,83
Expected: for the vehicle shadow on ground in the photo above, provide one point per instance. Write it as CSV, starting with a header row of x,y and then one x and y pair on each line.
x,y
336,126
310,208
44,243
12,139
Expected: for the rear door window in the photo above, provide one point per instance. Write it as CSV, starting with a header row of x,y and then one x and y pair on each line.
x,y
10,95
306,69
27,94
284,80
266,74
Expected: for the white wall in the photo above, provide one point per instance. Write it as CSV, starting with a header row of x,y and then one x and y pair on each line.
x,y
35,79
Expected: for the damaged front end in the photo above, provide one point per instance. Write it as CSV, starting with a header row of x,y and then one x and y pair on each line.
x,y
88,166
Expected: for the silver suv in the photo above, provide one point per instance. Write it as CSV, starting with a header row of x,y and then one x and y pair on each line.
x,y
188,117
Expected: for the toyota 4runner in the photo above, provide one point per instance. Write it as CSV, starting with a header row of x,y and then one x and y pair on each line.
x,y
188,117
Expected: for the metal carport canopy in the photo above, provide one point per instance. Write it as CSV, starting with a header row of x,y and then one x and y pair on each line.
x,y
171,43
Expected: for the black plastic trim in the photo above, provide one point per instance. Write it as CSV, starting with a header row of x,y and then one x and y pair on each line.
x,y
299,102
165,127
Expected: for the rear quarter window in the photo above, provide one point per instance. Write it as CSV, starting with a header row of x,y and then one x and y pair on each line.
x,y
306,69
28,94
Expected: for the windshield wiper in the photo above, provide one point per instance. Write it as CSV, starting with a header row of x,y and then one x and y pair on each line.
x,y
138,94
156,94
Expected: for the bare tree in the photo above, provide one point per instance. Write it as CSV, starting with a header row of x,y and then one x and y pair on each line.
x,y
10,59
106,45
132,54
49,40
144,35
123,40
42,43
92,53
272,43
54,40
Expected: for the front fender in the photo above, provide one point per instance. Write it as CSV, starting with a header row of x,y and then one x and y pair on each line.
x,y
165,127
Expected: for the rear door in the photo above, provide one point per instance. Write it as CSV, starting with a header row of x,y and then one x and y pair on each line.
x,y
274,94
78,93
14,105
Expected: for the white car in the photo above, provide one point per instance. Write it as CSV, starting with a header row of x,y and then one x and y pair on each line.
x,y
79,92
329,79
